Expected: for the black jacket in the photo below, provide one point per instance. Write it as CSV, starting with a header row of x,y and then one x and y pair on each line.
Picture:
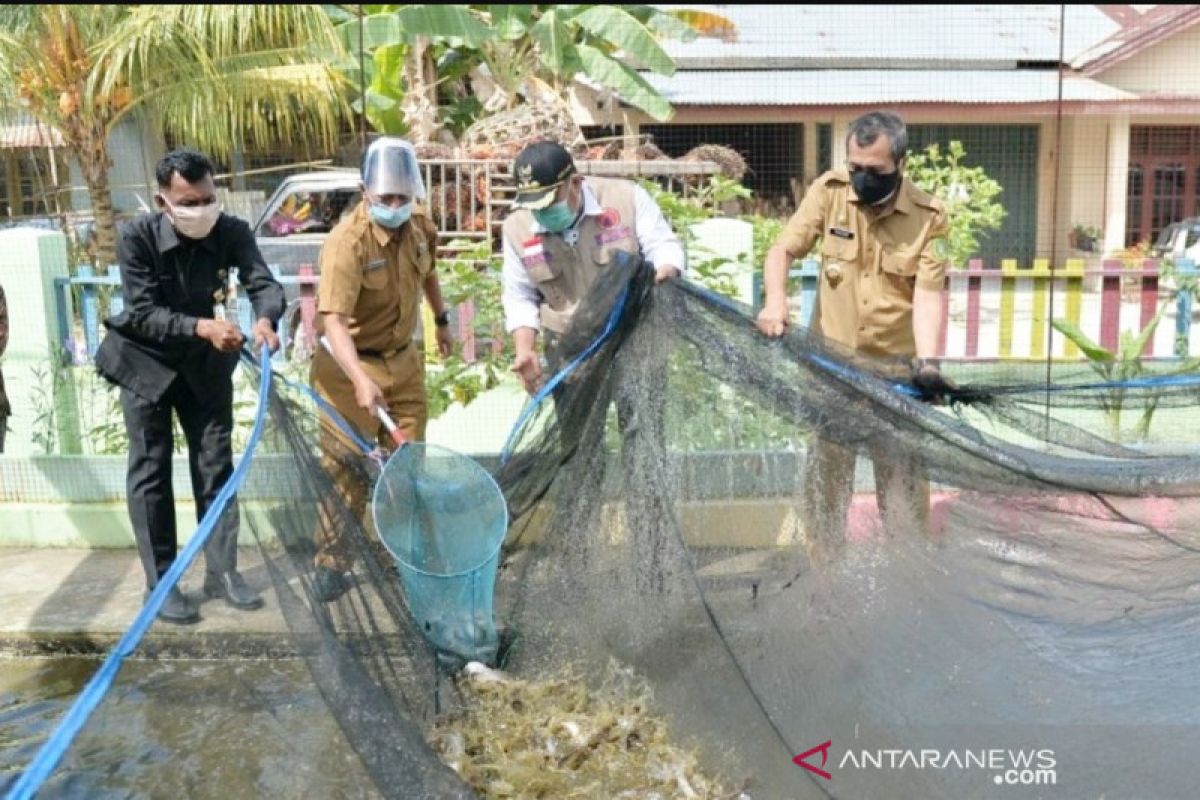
x,y
169,284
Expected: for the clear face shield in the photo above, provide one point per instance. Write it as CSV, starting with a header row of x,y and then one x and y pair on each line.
x,y
390,167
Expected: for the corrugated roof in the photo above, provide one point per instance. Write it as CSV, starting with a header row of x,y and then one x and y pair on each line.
x,y
806,36
29,135
828,87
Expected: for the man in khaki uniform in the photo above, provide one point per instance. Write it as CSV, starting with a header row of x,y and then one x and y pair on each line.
x,y
883,255
374,267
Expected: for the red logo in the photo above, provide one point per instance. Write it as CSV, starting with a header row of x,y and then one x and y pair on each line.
x,y
609,218
824,751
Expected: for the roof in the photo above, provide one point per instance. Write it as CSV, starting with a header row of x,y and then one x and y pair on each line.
x,y
808,36
29,134
1139,32
828,87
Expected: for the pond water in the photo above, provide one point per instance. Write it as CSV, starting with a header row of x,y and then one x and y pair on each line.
x,y
182,729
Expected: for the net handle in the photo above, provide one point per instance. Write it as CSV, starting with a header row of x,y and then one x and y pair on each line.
x,y
392,428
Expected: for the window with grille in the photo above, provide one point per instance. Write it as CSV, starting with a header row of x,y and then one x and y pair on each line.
x,y
598,134
774,154
26,184
1164,179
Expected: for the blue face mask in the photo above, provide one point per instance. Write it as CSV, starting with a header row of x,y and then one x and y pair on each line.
x,y
556,218
390,217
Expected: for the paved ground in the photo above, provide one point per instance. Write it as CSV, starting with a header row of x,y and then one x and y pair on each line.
x,y
59,600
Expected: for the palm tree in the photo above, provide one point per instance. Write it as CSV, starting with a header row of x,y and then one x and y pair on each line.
x,y
44,68
221,77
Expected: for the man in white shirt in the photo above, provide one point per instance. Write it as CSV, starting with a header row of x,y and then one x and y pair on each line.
x,y
562,233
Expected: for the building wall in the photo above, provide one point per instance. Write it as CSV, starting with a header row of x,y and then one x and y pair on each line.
x,y
1031,227
1085,177
1089,186
1169,67
135,147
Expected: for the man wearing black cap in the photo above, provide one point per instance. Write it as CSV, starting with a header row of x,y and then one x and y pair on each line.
x,y
563,231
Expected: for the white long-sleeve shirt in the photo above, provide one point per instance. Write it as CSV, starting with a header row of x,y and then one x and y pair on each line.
x,y
658,243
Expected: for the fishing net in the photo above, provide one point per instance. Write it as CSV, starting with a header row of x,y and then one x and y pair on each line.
x,y
683,623
1036,621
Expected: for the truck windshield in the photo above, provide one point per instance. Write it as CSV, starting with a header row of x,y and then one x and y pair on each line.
x,y
309,211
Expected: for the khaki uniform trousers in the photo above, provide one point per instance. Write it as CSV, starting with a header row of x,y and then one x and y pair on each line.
x,y
401,376
827,486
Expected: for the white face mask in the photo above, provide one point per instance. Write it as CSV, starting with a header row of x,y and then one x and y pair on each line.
x,y
194,222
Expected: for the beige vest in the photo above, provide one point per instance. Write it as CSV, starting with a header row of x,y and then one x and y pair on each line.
x,y
562,273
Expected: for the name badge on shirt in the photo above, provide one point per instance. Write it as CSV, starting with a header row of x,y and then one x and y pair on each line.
x,y
376,264
841,233
613,235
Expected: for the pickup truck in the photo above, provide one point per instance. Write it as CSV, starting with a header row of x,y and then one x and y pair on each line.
x,y
299,215
297,218
1179,240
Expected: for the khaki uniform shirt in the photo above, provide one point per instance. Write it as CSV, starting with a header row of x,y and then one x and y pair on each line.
x,y
870,264
376,277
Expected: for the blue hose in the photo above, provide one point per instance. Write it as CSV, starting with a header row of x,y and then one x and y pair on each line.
x,y
610,325
60,740
323,404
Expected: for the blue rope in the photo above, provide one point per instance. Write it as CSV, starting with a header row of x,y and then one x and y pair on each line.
x,y
610,325
1152,382
1135,383
60,740
849,372
322,404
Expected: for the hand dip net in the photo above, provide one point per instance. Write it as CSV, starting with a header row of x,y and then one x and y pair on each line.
x,y
443,519
693,618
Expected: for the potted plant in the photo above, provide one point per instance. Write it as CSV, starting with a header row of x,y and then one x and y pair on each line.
x,y
1085,238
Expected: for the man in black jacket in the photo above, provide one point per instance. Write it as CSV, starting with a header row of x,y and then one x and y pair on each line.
x,y
170,350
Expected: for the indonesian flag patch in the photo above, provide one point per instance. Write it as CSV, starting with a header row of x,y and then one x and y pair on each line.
x,y
533,252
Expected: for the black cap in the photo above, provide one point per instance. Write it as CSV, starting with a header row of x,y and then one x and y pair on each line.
x,y
540,169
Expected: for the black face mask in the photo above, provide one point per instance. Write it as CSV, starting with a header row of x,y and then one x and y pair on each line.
x,y
873,188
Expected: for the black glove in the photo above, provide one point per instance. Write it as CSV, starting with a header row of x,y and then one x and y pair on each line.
x,y
927,378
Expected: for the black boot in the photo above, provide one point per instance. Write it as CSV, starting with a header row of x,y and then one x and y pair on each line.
x,y
329,584
177,609
233,588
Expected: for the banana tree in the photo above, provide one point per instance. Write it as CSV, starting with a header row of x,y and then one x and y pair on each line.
x,y
1123,365
502,55
218,77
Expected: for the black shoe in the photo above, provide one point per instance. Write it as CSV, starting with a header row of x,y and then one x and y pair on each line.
x,y
329,584
233,588
177,609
